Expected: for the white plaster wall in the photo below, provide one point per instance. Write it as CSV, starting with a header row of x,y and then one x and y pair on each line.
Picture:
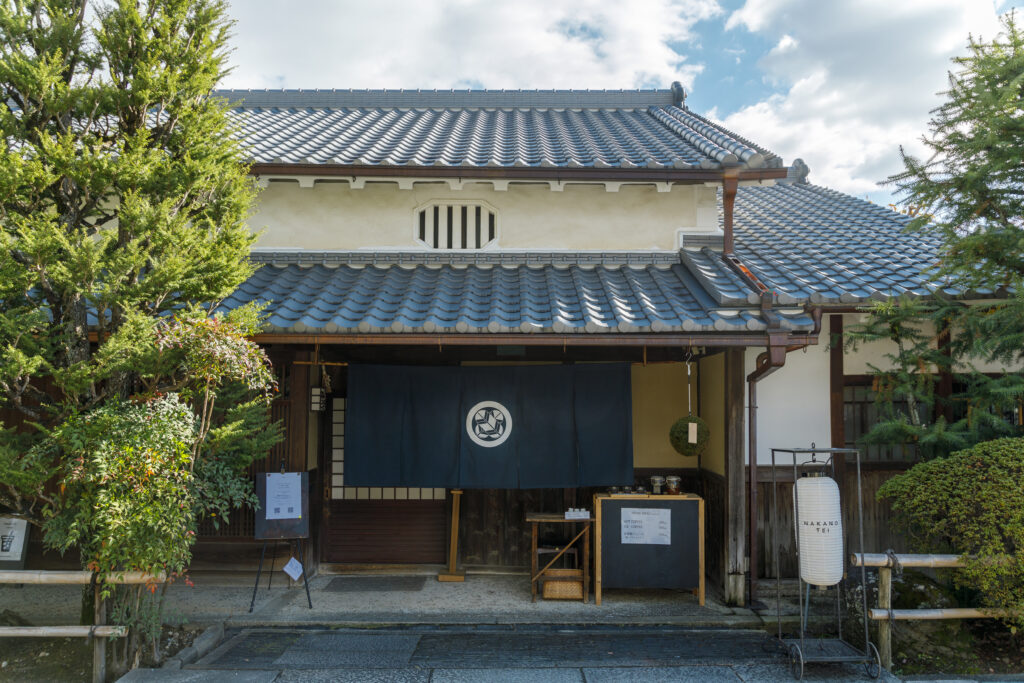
x,y
859,362
868,354
334,215
793,402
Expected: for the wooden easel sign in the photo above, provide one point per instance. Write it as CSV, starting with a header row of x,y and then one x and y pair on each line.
x,y
284,505
283,515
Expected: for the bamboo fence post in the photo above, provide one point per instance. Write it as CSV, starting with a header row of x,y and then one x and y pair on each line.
x,y
99,645
885,625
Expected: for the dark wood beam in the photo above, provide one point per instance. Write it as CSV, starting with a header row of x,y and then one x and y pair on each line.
x,y
519,173
554,340
836,381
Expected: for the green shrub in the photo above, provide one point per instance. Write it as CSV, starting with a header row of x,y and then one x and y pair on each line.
x,y
970,503
127,480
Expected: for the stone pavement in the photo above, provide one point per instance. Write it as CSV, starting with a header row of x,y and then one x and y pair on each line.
x,y
517,654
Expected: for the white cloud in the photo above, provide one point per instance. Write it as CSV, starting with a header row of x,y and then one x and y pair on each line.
x,y
467,43
857,79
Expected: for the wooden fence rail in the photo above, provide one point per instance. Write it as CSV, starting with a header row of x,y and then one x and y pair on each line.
x,y
99,631
884,614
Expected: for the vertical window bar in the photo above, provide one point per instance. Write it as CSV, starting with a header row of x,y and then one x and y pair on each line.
x,y
435,244
490,226
465,214
449,246
478,227
423,225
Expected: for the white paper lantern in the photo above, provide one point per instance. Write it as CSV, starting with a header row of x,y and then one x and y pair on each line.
x,y
819,530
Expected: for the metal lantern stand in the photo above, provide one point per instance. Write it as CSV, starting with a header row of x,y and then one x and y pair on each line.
x,y
803,649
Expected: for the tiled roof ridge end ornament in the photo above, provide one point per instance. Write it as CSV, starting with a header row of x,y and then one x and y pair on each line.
x,y
798,172
678,94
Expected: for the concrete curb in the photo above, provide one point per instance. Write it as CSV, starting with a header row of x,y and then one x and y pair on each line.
x,y
203,643
340,621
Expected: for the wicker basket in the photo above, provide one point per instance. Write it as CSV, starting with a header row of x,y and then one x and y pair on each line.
x,y
563,589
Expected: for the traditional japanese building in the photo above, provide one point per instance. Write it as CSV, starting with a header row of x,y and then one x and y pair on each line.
x,y
606,261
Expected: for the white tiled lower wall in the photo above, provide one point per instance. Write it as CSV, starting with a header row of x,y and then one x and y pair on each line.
x,y
341,492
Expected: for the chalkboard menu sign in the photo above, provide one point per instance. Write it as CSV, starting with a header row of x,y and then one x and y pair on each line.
x,y
649,541
284,505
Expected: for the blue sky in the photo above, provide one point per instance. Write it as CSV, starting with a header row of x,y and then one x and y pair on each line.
x,y
841,84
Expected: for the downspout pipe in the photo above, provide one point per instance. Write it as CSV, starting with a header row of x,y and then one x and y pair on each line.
x,y
768,361
730,183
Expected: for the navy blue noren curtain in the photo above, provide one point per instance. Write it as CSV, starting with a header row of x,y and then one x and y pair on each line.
x,y
547,426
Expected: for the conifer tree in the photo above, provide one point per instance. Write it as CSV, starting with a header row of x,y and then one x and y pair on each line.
x,y
124,194
969,193
123,204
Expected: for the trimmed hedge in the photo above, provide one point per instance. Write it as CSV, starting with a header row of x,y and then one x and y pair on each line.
x,y
970,503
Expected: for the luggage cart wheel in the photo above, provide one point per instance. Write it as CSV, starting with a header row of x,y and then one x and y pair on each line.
x,y
873,666
796,662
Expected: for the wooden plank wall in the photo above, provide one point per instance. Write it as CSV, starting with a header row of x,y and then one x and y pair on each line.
x,y
878,537
492,531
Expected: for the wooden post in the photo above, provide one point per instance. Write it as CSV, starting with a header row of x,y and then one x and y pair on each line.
x,y
597,548
99,645
735,484
453,574
533,561
884,626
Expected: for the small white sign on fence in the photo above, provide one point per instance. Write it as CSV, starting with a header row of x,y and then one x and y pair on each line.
x,y
13,536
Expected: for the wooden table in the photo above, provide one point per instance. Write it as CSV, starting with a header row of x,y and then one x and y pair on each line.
x,y
535,518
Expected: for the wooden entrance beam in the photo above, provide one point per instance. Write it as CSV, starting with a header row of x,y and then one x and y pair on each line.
x,y
453,574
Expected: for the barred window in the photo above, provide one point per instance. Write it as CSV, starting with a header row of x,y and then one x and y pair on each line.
x,y
456,225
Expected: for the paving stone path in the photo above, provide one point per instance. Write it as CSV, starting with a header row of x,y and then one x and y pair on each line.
x,y
515,654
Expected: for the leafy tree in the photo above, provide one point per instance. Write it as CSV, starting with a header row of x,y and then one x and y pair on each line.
x,y
969,194
123,207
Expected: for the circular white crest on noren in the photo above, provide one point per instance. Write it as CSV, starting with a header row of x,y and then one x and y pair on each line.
x,y
488,424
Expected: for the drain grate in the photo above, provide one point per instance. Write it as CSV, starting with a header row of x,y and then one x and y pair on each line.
x,y
376,584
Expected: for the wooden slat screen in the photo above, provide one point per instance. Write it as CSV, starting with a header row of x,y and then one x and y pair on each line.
x,y
385,531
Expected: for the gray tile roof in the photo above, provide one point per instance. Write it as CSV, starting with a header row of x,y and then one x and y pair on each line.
x,y
812,244
505,257
503,129
479,299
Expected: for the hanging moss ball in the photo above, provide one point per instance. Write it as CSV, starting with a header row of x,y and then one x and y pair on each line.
x,y
679,435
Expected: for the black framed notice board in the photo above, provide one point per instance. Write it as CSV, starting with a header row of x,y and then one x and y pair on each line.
x,y
649,541
286,514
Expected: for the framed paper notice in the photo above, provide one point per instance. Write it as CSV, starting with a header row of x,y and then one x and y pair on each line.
x,y
647,526
284,505
284,495
13,542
